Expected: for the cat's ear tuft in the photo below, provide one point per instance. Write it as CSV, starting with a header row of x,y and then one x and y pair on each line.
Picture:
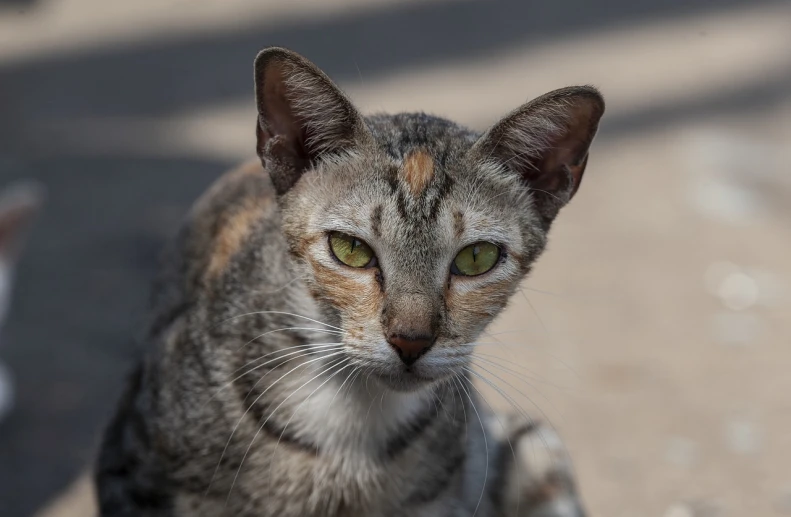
x,y
302,116
546,143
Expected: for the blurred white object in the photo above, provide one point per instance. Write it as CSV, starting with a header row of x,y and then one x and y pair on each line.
x,y
722,199
735,288
679,510
19,204
772,289
737,329
738,291
716,273
739,179
741,288
694,509
742,436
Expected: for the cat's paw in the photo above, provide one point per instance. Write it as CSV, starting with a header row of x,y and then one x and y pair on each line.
x,y
540,482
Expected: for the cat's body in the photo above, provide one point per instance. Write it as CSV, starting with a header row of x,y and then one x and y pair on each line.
x,y
282,381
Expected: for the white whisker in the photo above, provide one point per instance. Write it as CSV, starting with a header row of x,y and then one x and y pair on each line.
x,y
490,359
322,347
333,365
282,287
508,439
525,396
327,331
513,403
553,356
281,313
286,349
261,427
241,418
485,444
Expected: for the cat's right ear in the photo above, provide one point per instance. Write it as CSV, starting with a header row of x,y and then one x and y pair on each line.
x,y
302,116
545,143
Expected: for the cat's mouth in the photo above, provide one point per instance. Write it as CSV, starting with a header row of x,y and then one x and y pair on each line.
x,y
408,379
384,365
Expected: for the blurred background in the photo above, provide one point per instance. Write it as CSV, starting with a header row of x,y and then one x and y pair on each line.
x,y
655,333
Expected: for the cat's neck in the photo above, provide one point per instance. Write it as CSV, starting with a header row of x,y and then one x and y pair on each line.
x,y
348,415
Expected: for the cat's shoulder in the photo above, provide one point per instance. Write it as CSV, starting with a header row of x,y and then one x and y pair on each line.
x,y
226,216
245,186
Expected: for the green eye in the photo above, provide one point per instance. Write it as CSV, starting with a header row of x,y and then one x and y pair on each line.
x,y
476,259
351,251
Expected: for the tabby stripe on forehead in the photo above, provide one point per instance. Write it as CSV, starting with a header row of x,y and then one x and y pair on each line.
x,y
458,224
442,192
417,171
376,221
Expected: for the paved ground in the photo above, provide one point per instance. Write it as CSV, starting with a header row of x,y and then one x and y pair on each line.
x,y
655,332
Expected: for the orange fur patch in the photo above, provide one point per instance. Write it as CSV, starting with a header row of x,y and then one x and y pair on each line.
x,y
359,301
231,236
224,216
417,171
468,308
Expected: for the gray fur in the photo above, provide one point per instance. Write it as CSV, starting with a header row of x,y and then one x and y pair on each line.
x,y
270,389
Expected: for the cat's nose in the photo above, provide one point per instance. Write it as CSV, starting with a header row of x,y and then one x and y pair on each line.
x,y
410,347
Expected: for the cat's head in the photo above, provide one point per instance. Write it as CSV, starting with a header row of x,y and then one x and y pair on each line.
x,y
410,231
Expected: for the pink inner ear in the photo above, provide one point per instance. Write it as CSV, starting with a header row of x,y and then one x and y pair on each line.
x,y
278,120
566,152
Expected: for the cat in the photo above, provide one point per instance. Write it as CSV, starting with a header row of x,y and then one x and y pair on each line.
x,y
312,331
19,204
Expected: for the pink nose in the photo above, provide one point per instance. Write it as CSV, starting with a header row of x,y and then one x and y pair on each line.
x,y
410,348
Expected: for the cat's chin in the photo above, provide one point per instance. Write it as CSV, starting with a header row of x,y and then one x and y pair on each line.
x,y
405,381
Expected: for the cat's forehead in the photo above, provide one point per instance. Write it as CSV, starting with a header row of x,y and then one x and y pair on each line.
x,y
411,199
417,187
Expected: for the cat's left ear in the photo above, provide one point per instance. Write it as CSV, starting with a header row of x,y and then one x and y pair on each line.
x,y
545,142
302,116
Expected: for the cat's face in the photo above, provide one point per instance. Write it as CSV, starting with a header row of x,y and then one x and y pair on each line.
x,y
414,249
411,232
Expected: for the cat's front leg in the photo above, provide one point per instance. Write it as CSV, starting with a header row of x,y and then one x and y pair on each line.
x,y
537,475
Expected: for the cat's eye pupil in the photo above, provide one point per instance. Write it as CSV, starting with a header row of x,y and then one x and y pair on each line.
x,y
350,251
